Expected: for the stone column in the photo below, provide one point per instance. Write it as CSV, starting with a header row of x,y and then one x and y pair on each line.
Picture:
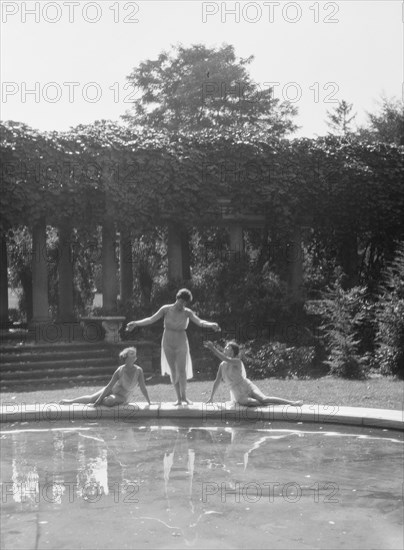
x,y
3,282
109,269
65,275
40,303
174,252
126,266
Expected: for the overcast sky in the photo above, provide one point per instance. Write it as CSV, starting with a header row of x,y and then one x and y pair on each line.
x,y
317,51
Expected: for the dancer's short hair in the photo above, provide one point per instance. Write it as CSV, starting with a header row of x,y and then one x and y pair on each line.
x,y
184,294
125,352
235,347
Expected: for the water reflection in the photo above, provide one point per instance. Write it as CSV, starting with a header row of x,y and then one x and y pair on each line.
x,y
157,475
25,479
92,475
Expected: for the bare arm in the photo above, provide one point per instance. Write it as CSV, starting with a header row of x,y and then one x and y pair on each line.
x,y
200,322
108,388
142,385
220,354
148,320
216,383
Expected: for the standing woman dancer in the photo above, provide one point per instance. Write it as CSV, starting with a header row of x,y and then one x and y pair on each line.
x,y
175,356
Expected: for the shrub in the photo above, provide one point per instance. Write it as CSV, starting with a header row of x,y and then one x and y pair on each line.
x,y
276,359
342,314
390,318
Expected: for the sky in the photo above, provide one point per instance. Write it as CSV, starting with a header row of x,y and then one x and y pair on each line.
x,y
74,56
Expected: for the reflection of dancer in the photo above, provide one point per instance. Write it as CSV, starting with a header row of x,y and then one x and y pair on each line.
x,y
119,389
242,390
180,459
178,475
175,356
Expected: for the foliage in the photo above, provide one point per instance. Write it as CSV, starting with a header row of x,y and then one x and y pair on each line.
x,y
20,270
85,256
336,186
342,315
262,359
340,119
278,360
242,297
14,314
198,87
344,191
36,177
19,244
390,318
149,254
387,125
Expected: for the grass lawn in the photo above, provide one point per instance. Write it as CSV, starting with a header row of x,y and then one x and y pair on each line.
x,y
380,393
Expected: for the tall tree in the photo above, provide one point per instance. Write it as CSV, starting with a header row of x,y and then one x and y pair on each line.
x,y
388,124
340,119
196,88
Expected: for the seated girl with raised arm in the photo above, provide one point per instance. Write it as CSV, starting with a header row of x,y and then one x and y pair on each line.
x,y
242,390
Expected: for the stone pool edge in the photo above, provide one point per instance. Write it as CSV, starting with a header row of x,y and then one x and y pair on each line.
x,y
330,414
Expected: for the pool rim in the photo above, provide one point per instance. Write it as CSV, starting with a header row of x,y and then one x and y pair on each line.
x,y
228,412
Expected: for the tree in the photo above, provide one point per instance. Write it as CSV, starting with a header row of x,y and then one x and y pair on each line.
x,y
388,124
340,119
197,88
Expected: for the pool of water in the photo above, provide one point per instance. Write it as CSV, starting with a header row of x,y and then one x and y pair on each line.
x,y
157,484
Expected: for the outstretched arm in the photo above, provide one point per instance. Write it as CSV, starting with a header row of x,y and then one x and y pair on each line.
x,y
220,354
148,320
142,385
201,323
216,384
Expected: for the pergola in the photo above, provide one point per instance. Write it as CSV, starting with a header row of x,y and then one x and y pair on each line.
x,y
127,181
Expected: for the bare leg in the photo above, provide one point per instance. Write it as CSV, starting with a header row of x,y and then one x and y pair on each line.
x,y
249,402
182,376
85,399
266,400
178,392
183,389
171,360
279,401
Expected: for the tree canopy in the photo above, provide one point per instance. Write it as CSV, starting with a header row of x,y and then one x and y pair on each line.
x,y
196,88
387,125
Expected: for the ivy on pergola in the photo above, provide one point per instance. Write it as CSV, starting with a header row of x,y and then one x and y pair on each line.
x,y
140,178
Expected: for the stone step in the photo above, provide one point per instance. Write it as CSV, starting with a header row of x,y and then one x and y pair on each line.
x,y
66,347
81,364
43,348
55,373
53,355
33,365
63,381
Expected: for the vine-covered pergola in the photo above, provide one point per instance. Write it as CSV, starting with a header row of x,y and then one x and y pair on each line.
x,y
128,180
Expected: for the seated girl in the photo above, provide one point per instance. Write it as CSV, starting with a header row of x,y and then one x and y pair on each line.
x,y
242,390
121,386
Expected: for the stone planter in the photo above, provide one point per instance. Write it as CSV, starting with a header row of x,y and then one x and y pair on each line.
x,y
110,324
